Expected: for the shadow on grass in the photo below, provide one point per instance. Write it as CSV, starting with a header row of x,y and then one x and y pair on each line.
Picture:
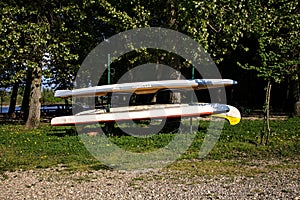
x,y
11,122
100,167
62,132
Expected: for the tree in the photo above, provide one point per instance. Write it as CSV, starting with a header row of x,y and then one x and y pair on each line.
x,y
275,26
27,30
36,28
51,38
12,69
222,28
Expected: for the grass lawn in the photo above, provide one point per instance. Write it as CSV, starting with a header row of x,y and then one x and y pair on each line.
x,y
52,146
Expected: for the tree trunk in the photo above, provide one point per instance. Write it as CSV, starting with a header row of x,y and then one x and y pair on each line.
x,y
33,120
1,103
26,96
13,100
266,126
297,95
67,110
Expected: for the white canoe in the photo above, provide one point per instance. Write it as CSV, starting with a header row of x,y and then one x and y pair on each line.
x,y
146,87
150,111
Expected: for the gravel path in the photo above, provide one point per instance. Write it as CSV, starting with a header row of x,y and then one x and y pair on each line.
x,y
60,183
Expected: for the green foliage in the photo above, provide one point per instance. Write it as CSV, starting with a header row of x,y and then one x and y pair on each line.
x,y
32,34
48,97
60,34
275,26
23,31
67,31
4,95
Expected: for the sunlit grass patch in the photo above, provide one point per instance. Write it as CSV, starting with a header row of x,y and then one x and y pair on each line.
x,y
48,146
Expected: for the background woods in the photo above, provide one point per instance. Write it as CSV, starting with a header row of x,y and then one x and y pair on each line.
x,y
253,42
